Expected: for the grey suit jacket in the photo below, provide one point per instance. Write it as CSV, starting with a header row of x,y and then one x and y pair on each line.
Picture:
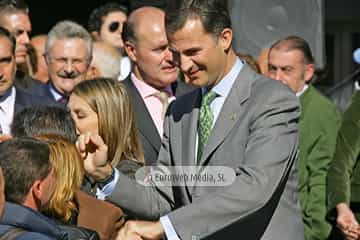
x,y
256,134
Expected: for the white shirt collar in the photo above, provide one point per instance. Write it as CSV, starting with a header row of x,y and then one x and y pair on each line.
x,y
298,94
7,111
357,85
55,93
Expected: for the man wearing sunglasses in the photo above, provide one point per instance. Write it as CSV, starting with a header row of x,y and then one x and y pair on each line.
x,y
106,24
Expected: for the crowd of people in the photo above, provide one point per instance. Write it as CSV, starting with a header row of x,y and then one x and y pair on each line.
x,y
89,113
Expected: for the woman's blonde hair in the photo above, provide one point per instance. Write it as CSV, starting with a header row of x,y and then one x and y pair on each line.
x,y
69,170
109,99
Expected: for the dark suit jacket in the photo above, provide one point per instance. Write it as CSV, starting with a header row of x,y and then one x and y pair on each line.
x,y
43,90
149,136
24,100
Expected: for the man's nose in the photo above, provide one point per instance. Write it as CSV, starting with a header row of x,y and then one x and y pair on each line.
x,y
185,63
24,38
69,66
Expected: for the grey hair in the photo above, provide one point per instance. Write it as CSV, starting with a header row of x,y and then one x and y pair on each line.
x,y
68,30
107,59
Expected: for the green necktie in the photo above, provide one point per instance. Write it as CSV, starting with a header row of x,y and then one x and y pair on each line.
x,y
206,119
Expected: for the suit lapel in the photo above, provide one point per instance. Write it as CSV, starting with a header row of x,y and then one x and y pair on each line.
x,y
20,101
189,129
230,112
180,88
145,123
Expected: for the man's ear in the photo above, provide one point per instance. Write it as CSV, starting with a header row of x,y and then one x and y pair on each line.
x,y
92,72
130,50
225,39
309,71
36,190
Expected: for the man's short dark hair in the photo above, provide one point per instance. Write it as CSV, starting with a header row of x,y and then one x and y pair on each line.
x,y
5,33
23,161
128,32
97,16
295,43
213,14
44,120
10,6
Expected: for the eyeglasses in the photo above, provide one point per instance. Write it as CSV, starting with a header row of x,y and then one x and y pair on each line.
x,y
114,26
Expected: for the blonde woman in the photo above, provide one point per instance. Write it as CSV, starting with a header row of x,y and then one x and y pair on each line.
x,y
70,205
69,170
102,106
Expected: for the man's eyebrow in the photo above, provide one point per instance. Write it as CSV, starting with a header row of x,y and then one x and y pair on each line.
x,y
192,50
6,59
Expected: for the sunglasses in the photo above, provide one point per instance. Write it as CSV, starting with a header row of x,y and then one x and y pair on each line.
x,y
114,26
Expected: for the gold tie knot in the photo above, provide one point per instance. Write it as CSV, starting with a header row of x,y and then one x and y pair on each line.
x,y
164,99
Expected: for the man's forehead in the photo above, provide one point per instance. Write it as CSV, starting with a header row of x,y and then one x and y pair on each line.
x,y
69,46
18,20
286,53
5,42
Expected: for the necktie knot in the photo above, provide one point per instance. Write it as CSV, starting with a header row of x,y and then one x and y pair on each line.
x,y
164,99
208,98
62,100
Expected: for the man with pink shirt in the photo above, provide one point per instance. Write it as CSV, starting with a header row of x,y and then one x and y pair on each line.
x,y
153,83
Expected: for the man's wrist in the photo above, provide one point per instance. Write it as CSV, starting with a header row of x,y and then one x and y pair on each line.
x,y
103,182
342,206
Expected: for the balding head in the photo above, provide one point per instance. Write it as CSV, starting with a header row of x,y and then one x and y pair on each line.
x,y
147,46
140,24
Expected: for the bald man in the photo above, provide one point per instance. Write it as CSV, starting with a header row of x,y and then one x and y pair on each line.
x,y
105,61
41,72
153,73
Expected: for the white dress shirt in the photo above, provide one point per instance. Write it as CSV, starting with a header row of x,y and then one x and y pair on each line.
x,y
7,109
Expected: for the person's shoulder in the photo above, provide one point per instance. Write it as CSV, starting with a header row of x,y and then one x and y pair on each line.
x,y
34,236
186,99
30,99
22,234
353,113
321,104
268,91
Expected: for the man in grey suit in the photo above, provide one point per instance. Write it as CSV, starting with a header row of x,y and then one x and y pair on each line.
x,y
237,119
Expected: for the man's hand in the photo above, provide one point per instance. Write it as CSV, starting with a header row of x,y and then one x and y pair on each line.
x,y
141,230
4,137
94,152
347,223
